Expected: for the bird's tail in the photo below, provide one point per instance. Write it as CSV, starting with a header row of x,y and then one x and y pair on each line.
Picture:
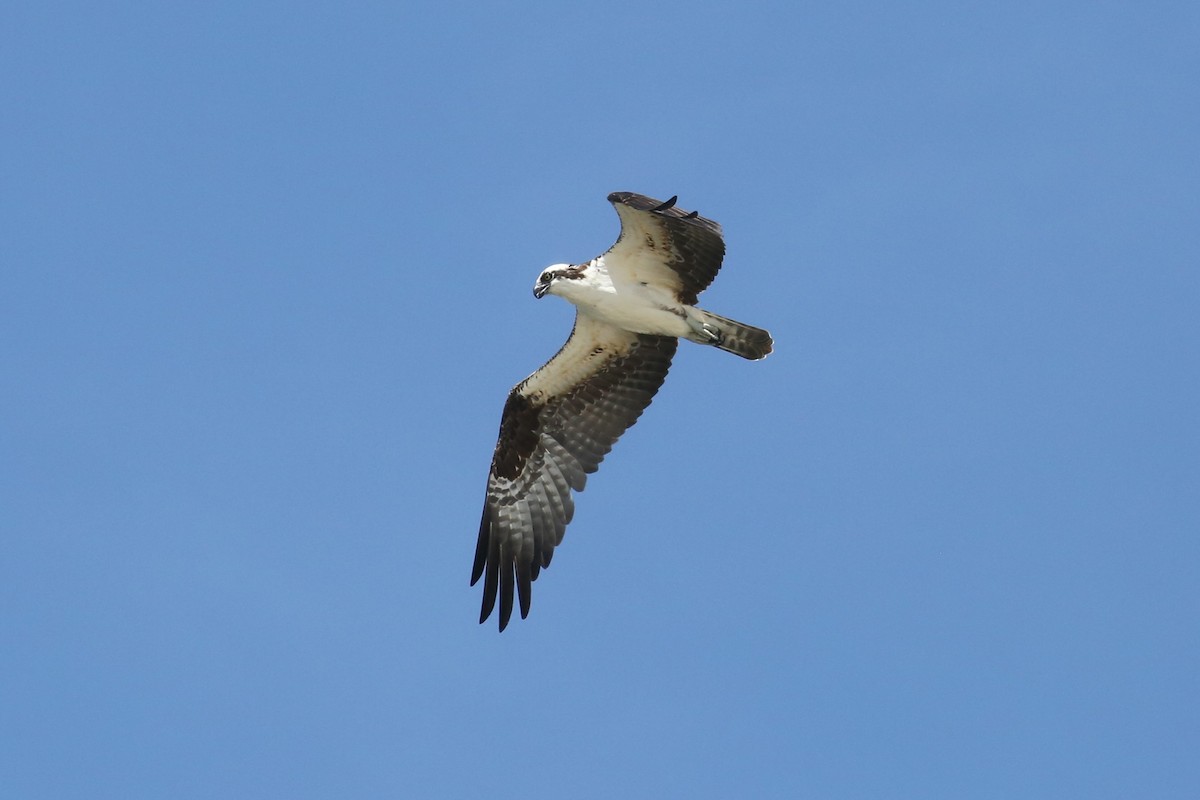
x,y
734,337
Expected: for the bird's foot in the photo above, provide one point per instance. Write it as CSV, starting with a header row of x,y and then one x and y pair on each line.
x,y
710,334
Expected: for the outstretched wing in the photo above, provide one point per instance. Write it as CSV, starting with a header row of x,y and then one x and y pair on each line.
x,y
557,426
665,246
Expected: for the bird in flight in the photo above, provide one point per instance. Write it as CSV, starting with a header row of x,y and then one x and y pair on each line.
x,y
633,305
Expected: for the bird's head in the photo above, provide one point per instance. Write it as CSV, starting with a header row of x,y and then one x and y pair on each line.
x,y
546,280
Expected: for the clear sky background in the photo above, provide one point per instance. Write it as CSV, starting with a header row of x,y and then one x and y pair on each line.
x,y
266,283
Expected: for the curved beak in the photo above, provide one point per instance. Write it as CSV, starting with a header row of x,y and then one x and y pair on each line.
x,y
540,290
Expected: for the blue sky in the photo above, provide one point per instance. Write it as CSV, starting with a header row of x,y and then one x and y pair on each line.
x,y
266,283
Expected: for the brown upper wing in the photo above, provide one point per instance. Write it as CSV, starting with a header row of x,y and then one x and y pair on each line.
x,y
557,426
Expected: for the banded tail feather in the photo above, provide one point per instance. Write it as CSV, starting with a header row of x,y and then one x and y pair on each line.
x,y
739,338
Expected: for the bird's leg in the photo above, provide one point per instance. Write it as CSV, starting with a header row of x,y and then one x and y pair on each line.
x,y
712,333
705,332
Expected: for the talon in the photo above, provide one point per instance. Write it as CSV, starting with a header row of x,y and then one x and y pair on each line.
x,y
668,204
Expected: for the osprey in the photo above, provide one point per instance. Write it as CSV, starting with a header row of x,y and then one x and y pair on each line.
x,y
633,304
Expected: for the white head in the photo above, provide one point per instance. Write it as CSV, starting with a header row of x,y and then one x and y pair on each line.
x,y
550,275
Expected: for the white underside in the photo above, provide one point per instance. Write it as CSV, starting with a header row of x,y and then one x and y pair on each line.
x,y
625,304
610,312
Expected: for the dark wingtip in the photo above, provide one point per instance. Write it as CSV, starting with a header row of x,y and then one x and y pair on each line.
x,y
490,580
477,569
506,588
505,612
481,547
524,587
489,603
641,202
